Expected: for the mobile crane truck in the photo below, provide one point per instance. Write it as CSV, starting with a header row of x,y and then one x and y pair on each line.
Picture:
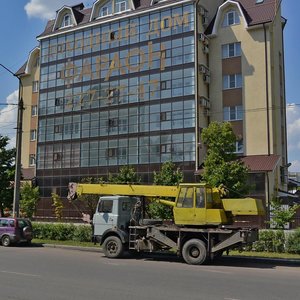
x,y
202,228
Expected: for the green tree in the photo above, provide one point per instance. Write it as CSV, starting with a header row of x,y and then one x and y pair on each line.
x,y
58,206
169,175
126,174
7,173
281,215
221,166
29,199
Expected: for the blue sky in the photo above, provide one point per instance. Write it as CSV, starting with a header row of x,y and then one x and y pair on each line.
x,y
23,20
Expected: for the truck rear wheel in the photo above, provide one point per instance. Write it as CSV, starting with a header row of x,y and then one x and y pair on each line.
x,y
113,247
194,252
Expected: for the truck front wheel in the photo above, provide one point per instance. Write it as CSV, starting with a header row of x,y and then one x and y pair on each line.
x,y
113,247
194,252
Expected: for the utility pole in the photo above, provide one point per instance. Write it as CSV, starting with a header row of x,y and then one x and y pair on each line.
x,y
17,183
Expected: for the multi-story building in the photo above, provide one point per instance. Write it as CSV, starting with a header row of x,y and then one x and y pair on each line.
x,y
134,82
29,74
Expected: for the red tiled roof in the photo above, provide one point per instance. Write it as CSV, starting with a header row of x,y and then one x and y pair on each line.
x,y
261,163
259,13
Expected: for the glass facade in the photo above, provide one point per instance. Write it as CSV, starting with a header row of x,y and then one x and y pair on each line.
x,y
119,93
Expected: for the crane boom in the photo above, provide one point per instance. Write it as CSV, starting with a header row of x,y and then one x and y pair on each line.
x,y
76,189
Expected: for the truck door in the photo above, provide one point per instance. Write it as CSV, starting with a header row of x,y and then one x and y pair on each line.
x,y
105,216
184,211
200,210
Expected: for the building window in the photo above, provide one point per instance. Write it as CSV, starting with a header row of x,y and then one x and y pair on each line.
x,y
233,113
59,101
231,50
66,20
232,81
33,135
239,146
231,18
120,6
58,129
32,160
34,110
104,11
166,148
112,152
165,116
35,86
57,156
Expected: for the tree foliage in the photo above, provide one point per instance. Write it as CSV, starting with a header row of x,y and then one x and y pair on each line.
x,y
29,199
58,206
126,175
169,175
89,201
221,166
281,215
7,173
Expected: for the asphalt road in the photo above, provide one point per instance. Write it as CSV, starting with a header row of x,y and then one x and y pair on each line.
x,y
51,273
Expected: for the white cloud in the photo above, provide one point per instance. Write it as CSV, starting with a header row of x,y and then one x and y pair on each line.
x,y
8,118
45,9
293,132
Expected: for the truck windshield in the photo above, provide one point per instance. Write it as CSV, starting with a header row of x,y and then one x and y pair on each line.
x,y
105,206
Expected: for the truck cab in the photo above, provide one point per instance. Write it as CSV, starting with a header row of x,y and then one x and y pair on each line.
x,y
112,213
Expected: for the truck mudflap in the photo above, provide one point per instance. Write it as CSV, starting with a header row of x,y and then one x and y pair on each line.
x,y
237,238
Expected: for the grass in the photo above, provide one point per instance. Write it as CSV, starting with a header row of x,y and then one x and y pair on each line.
x,y
67,243
231,253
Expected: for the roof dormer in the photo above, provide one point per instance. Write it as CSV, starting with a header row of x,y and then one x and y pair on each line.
x,y
104,8
228,14
153,2
68,16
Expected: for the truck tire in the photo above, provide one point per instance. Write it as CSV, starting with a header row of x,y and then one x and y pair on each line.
x,y
5,241
113,247
194,252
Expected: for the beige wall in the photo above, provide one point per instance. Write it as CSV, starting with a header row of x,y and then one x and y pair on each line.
x,y
30,99
254,92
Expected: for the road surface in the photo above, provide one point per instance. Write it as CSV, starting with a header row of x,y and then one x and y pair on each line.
x,y
31,273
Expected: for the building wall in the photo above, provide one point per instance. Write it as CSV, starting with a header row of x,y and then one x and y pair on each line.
x,y
30,99
138,110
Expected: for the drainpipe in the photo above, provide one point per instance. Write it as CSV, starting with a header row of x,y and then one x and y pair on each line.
x,y
196,88
267,88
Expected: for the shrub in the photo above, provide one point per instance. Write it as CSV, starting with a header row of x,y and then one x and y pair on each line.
x,y
83,233
62,232
293,242
270,241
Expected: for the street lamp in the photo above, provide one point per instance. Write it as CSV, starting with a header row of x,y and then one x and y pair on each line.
x,y
16,200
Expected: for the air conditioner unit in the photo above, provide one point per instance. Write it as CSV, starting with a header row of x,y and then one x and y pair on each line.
x,y
202,69
205,49
203,38
202,11
204,102
206,79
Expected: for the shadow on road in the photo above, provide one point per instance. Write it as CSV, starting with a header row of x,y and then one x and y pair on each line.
x,y
227,261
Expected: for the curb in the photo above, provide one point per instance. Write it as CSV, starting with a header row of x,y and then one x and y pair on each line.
x,y
67,247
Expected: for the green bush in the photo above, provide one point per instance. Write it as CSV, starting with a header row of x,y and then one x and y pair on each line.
x,y
293,242
62,232
83,234
270,241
